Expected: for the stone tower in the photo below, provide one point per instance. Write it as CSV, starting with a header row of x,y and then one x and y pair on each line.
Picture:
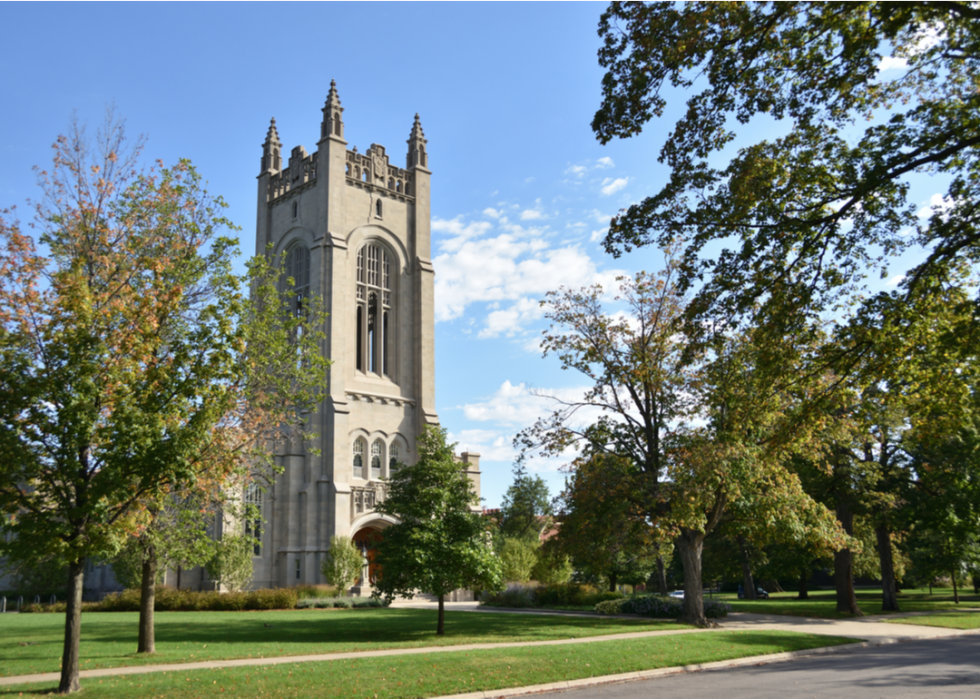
x,y
354,228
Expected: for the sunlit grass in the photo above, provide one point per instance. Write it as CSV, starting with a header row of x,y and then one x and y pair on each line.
x,y
949,620
822,604
448,673
31,643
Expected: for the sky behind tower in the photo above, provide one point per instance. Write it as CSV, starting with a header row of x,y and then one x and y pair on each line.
x,y
521,191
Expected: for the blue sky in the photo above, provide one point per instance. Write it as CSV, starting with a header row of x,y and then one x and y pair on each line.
x,y
521,190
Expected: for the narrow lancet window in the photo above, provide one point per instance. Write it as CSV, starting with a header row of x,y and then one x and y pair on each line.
x,y
373,312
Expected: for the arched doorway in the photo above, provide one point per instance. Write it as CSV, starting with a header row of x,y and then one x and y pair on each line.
x,y
366,540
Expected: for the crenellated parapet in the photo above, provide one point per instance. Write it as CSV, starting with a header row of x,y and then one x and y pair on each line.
x,y
373,171
301,171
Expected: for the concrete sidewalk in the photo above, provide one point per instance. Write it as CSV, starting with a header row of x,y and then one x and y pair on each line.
x,y
869,629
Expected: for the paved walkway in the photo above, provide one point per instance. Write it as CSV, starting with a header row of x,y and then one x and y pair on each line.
x,y
869,629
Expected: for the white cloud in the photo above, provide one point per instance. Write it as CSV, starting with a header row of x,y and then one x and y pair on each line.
x,y
937,202
576,170
460,232
600,217
896,280
491,212
598,235
892,63
604,163
510,321
531,215
611,186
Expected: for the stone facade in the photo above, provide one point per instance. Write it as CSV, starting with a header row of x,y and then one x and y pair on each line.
x,y
355,229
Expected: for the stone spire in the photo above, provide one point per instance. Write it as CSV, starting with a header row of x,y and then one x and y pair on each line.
x,y
271,149
333,121
416,147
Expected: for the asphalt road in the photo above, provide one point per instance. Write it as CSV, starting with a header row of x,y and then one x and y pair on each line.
x,y
947,667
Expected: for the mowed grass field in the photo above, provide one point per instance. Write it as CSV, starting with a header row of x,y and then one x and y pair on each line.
x,y
32,643
822,604
434,674
949,620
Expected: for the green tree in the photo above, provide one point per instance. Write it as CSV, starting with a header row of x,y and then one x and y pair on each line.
x,y
647,380
802,216
440,543
601,528
526,508
342,563
132,360
231,565
518,558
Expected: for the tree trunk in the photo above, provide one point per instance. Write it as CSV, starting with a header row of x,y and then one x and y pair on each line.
x,y
690,543
844,566
147,641
956,592
804,593
441,627
612,582
661,576
73,628
748,584
889,591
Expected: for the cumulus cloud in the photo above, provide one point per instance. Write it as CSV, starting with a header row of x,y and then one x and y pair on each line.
x,y
531,215
937,203
896,280
611,186
604,163
576,170
509,321
598,235
491,212
460,232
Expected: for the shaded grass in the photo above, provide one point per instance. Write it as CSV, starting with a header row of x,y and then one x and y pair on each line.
x,y
449,673
822,604
949,620
31,643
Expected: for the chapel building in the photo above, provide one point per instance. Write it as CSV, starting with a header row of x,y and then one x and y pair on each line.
x,y
353,228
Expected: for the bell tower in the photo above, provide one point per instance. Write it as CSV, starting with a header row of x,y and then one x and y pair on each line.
x,y
359,225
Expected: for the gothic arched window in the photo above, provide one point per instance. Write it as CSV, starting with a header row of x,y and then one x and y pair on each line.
x,y
376,450
394,453
298,269
374,310
253,516
358,458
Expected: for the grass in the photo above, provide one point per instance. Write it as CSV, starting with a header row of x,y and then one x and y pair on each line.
x,y
949,620
450,673
31,643
822,604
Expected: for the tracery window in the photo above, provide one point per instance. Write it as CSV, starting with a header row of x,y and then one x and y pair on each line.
x,y
297,267
394,453
374,310
358,458
376,450
253,519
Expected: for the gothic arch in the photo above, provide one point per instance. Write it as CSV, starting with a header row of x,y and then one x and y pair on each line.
x,y
362,235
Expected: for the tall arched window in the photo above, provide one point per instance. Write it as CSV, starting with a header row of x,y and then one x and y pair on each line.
x,y
358,458
374,310
394,454
253,516
298,268
376,450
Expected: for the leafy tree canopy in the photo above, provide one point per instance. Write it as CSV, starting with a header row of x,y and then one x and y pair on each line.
x,y
806,214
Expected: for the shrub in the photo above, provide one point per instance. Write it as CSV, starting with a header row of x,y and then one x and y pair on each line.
x,y
342,563
564,594
314,591
343,602
659,607
517,559
368,603
517,597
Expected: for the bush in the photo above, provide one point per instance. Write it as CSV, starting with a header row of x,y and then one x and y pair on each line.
x,y
343,602
659,607
314,591
516,597
564,594
167,599
368,603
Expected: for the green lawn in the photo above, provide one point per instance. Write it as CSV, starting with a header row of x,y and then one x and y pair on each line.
x,y
449,673
949,620
32,643
821,604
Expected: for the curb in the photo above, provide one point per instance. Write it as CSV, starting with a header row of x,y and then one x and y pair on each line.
x,y
683,669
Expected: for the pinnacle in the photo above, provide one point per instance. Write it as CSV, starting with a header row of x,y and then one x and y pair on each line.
x,y
273,134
